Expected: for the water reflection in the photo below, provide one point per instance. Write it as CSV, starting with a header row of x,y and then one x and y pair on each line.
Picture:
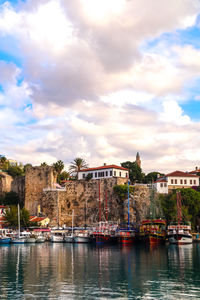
x,y
72,271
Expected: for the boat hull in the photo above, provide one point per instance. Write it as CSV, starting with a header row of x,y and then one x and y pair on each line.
x,y
57,239
180,239
18,240
69,239
30,240
153,239
40,239
5,240
82,239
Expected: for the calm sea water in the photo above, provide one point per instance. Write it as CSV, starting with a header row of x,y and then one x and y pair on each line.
x,y
67,271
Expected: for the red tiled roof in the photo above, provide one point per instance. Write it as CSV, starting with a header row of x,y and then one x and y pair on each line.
x,y
180,174
38,219
161,180
195,171
104,167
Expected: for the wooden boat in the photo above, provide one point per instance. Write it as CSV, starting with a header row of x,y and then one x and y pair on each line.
x,y
153,231
179,232
126,237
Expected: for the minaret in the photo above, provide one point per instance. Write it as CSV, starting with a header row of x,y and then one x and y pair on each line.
x,y
138,160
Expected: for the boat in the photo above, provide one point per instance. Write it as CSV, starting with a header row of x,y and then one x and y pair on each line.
x,y
5,240
57,237
69,238
82,237
153,231
179,232
18,239
31,239
105,232
40,239
126,236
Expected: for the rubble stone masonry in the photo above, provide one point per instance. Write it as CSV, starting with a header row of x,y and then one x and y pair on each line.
x,y
36,179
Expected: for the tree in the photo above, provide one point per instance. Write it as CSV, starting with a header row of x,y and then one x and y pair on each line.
x,y
58,166
11,217
44,164
15,171
135,172
77,165
190,200
151,177
27,166
63,176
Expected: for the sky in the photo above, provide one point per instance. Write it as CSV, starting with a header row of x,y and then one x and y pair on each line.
x,y
101,80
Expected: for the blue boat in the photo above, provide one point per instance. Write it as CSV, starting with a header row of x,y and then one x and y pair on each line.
x,y
5,240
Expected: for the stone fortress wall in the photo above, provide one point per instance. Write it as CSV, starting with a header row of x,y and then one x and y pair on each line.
x,y
37,190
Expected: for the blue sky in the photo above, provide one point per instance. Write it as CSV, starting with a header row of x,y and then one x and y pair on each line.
x,y
76,82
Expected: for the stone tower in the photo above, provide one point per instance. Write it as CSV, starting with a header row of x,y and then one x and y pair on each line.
x,y
138,160
36,179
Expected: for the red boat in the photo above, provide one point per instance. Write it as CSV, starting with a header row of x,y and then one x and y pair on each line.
x,y
126,237
153,231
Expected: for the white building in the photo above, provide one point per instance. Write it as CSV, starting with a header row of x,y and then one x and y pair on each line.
x,y
175,180
106,171
161,186
180,179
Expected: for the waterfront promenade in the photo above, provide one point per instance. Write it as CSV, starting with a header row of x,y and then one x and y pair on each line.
x,y
84,271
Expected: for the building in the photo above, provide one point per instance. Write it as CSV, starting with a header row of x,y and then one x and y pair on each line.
x,y
106,171
138,160
175,180
180,179
161,186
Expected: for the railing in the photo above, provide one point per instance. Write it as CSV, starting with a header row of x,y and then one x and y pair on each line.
x,y
54,189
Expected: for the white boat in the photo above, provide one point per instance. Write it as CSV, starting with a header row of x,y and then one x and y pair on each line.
x,y
70,237
57,237
179,234
40,239
31,239
18,239
82,237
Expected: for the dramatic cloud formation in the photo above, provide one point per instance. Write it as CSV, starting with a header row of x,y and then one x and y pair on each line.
x,y
100,79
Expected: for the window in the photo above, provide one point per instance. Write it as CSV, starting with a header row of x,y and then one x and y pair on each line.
x,y
175,181
106,173
110,173
126,175
95,174
172,181
185,181
99,174
194,181
120,174
190,181
165,184
181,181
83,175
161,185
114,173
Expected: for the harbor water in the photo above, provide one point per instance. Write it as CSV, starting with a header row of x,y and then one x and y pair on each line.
x,y
83,271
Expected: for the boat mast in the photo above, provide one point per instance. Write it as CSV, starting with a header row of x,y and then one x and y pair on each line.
x,y
18,212
128,206
99,203
179,212
72,221
106,208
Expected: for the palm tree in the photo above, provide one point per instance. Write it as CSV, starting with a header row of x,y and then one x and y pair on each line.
x,y
58,166
77,164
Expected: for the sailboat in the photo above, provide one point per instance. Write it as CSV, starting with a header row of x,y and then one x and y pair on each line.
x,y
153,230
179,232
18,239
70,238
